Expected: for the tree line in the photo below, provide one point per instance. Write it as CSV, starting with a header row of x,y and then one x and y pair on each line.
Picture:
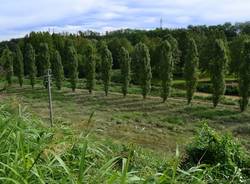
x,y
180,52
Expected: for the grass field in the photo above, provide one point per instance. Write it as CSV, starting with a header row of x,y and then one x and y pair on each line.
x,y
149,123
116,140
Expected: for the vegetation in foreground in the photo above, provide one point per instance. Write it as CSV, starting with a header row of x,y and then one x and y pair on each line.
x,y
33,153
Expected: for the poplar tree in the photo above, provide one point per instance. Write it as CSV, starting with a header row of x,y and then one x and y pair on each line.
x,y
125,63
176,53
44,60
166,69
142,57
90,67
31,62
7,59
244,77
217,70
107,63
191,69
57,69
18,61
72,58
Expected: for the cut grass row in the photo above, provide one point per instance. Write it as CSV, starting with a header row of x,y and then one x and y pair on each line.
x,y
149,123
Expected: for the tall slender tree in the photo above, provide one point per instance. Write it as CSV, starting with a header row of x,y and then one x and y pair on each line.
x,y
90,67
142,57
218,69
125,63
43,61
191,69
57,69
30,60
65,55
176,53
73,66
107,63
18,61
7,59
244,77
166,69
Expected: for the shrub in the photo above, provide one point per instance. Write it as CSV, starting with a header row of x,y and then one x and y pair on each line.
x,y
220,151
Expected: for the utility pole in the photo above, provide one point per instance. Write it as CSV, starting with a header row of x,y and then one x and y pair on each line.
x,y
161,23
50,98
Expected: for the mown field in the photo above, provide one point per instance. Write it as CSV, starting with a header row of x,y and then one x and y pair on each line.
x,y
150,123
111,139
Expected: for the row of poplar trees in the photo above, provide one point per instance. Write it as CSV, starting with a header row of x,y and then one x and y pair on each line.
x,y
141,63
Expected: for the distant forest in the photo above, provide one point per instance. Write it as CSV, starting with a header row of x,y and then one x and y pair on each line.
x,y
204,36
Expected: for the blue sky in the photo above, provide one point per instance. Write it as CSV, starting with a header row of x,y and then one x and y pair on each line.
x,y
19,17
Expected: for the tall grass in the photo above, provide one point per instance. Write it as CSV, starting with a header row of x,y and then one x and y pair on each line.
x,y
30,152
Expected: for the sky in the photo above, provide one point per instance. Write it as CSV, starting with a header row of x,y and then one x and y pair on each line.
x,y
19,17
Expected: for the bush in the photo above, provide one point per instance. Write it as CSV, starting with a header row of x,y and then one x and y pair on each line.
x,y
220,151
207,88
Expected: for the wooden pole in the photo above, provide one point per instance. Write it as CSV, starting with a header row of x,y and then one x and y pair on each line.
x,y
50,98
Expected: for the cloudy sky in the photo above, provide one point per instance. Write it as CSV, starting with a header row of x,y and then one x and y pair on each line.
x,y
19,17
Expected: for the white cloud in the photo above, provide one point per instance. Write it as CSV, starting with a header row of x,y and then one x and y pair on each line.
x,y
18,17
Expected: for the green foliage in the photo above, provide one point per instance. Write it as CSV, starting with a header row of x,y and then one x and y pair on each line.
x,y
236,47
244,77
135,67
43,61
65,54
142,58
191,69
73,67
206,49
166,69
7,59
220,151
182,37
114,45
176,53
91,68
32,153
30,61
18,62
125,63
206,87
107,63
218,67
57,69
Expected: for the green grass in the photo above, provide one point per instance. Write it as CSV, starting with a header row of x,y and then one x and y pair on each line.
x,y
150,128
150,123
31,152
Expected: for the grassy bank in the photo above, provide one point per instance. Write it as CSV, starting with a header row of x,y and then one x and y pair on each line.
x,y
31,152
